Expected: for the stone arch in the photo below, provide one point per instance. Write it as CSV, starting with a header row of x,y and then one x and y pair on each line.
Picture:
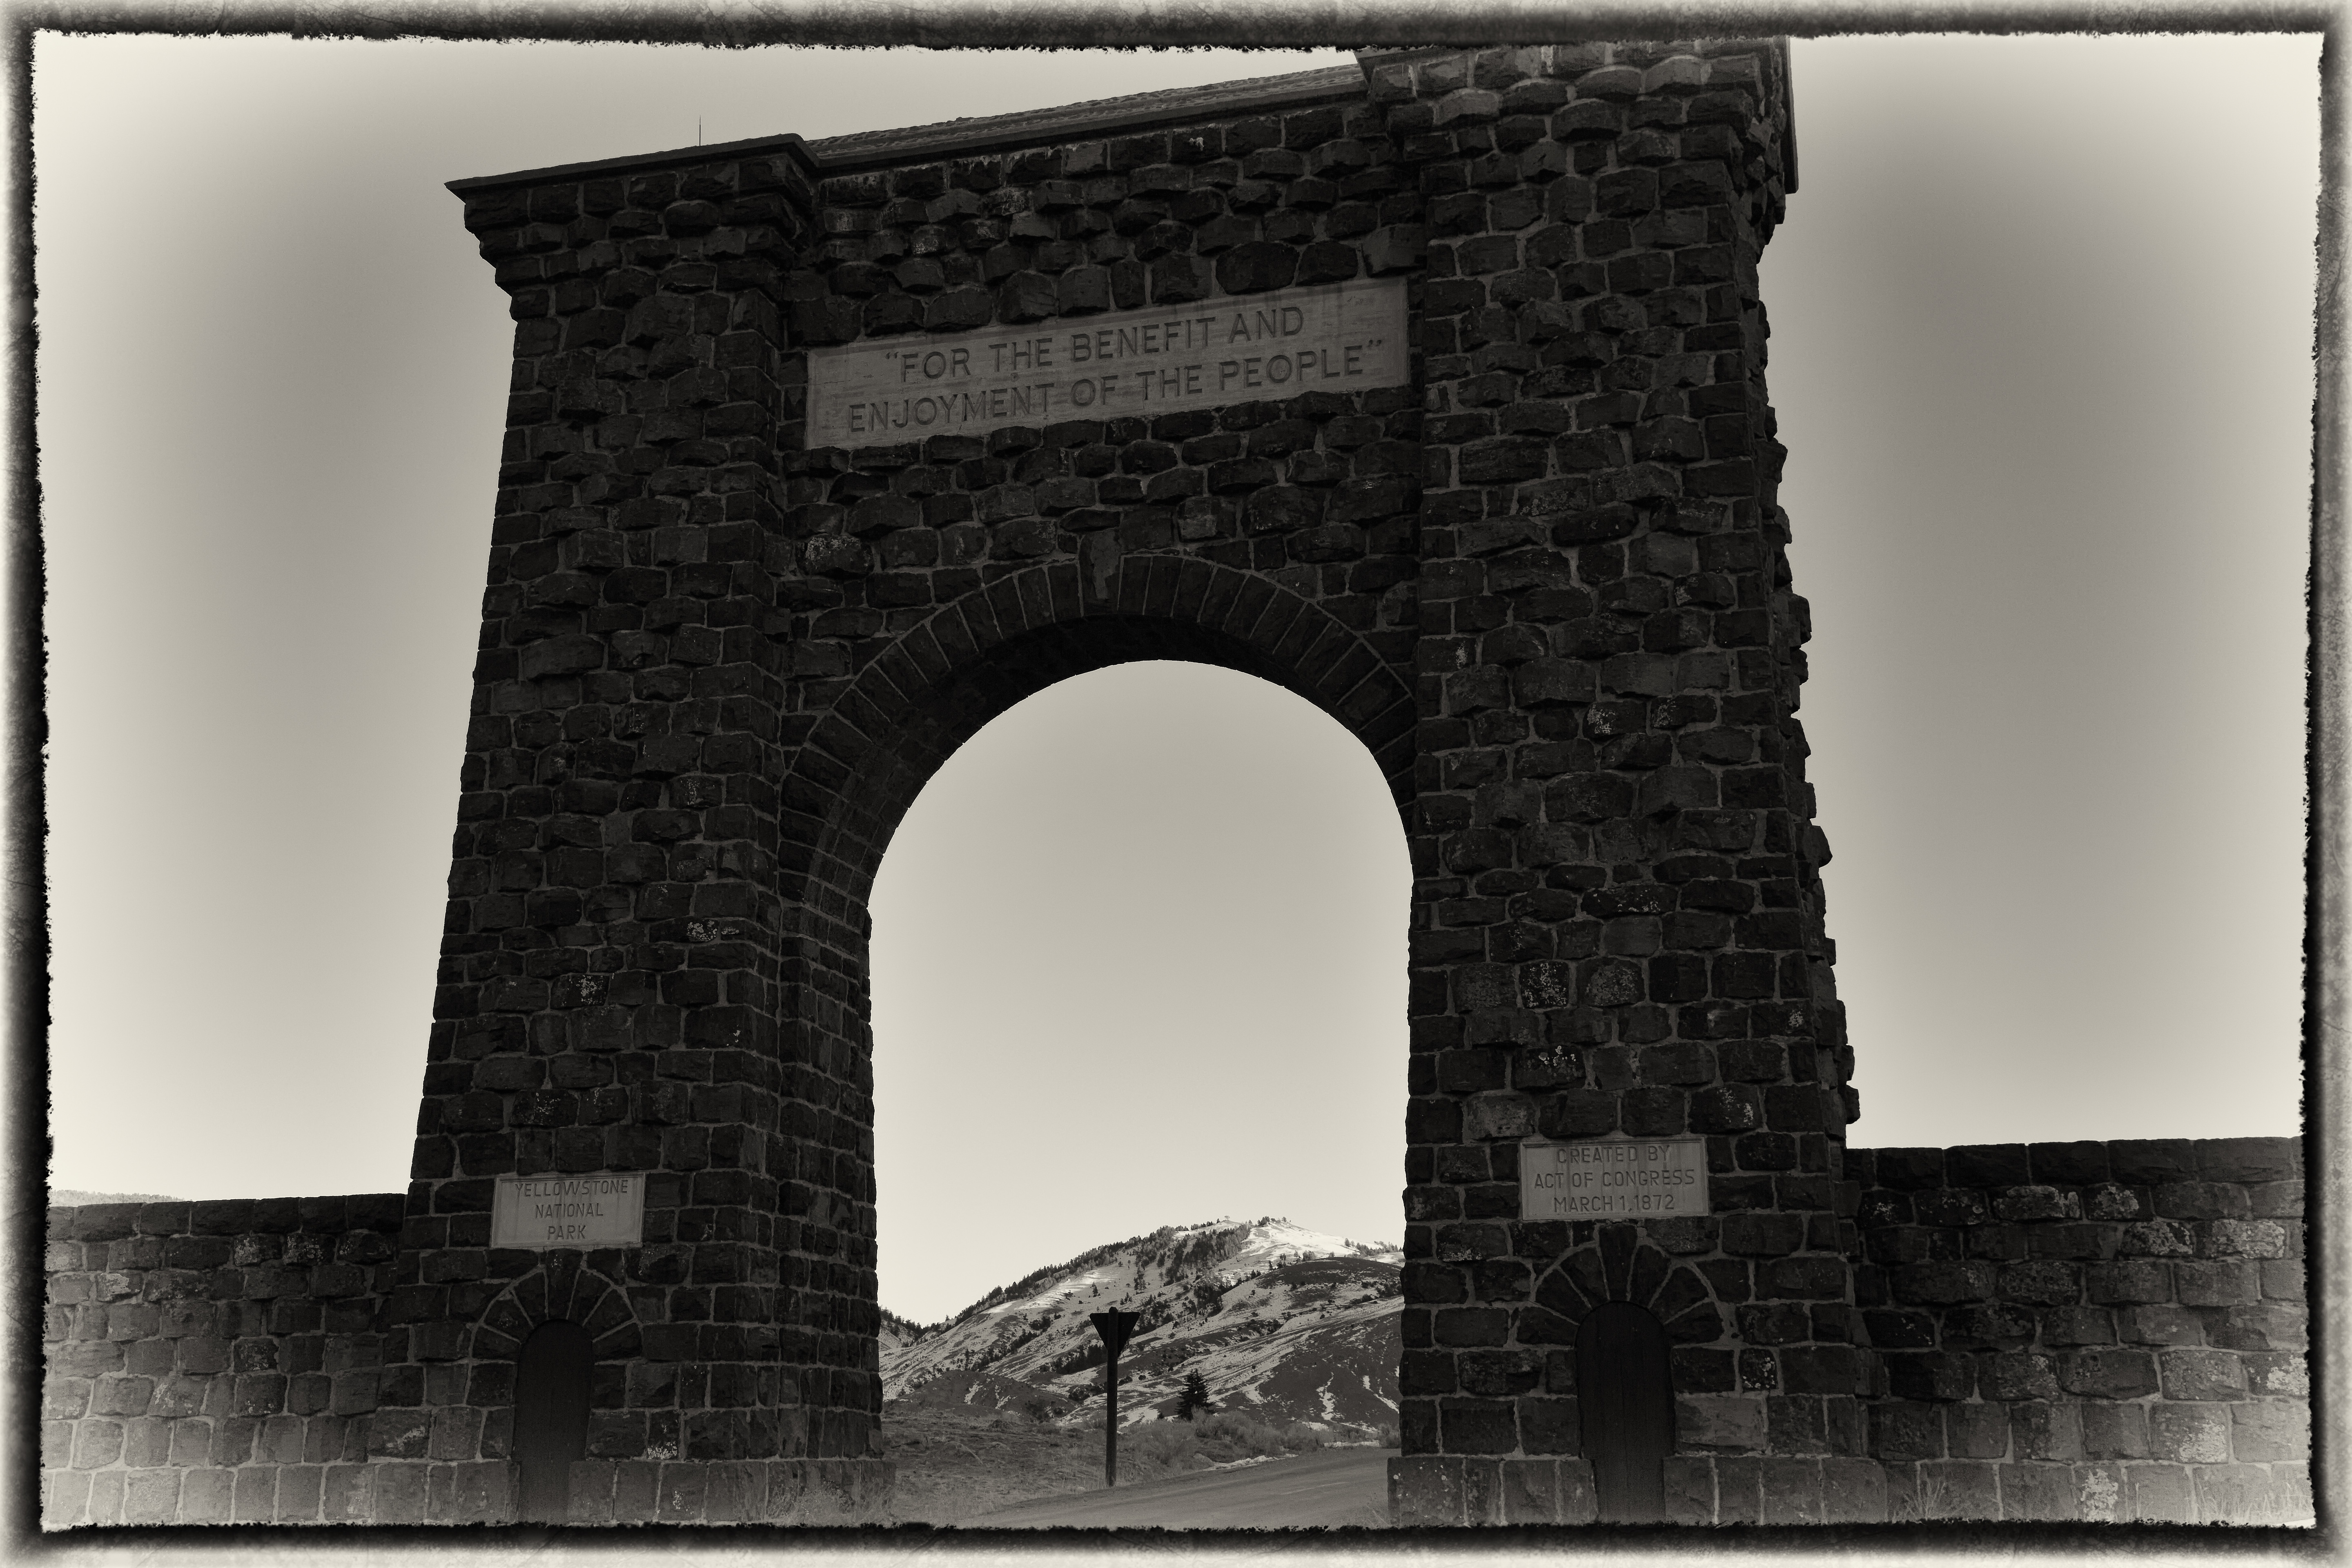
x,y
942,681
561,1288
880,737
718,659
1617,1265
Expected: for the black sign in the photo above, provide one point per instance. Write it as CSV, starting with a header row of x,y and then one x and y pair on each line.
x,y
1115,1327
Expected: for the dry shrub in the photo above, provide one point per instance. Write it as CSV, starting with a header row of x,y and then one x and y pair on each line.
x,y
1158,1445
1230,1435
1301,1438
1930,1498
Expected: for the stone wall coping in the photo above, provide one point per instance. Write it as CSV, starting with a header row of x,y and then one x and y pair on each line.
x,y
915,144
716,151
380,1212
993,133
2139,1162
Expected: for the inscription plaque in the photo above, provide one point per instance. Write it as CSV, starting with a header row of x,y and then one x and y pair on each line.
x,y
1614,1178
568,1211
1340,337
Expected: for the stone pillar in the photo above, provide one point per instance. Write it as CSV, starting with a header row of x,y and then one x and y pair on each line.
x,y
614,968
1617,918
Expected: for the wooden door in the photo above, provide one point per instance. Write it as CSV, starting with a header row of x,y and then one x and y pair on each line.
x,y
1626,1403
550,1427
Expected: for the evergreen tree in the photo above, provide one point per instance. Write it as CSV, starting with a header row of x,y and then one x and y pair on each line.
x,y
1195,1396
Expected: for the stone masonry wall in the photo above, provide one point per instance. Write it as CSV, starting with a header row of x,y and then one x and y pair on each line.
x,y
2089,1330
242,1362
217,1362
609,993
1618,923
2085,1330
2056,1332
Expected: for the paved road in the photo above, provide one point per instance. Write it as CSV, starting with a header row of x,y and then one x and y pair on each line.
x,y
1334,1487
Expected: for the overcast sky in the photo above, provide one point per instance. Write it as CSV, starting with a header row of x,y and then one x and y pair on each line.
x,y
2040,356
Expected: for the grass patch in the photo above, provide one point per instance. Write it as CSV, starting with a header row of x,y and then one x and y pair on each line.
x,y
956,1464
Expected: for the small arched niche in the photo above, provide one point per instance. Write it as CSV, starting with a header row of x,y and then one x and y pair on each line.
x,y
1625,1398
550,1427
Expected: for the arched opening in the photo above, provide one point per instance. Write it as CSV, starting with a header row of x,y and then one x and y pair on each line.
x,y
550,1426
1138,959
918,695
1625,1398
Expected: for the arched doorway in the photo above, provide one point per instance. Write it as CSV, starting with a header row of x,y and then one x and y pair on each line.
x,y
551,1423
1626,1404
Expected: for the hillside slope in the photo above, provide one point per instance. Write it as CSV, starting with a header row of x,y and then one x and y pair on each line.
x,y
1281,1322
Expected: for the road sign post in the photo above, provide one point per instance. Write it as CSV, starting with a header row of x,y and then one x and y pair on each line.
x,y
1114,1327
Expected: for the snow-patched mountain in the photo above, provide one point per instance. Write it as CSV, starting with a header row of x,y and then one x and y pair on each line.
x,y
898,1333
1278,1320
